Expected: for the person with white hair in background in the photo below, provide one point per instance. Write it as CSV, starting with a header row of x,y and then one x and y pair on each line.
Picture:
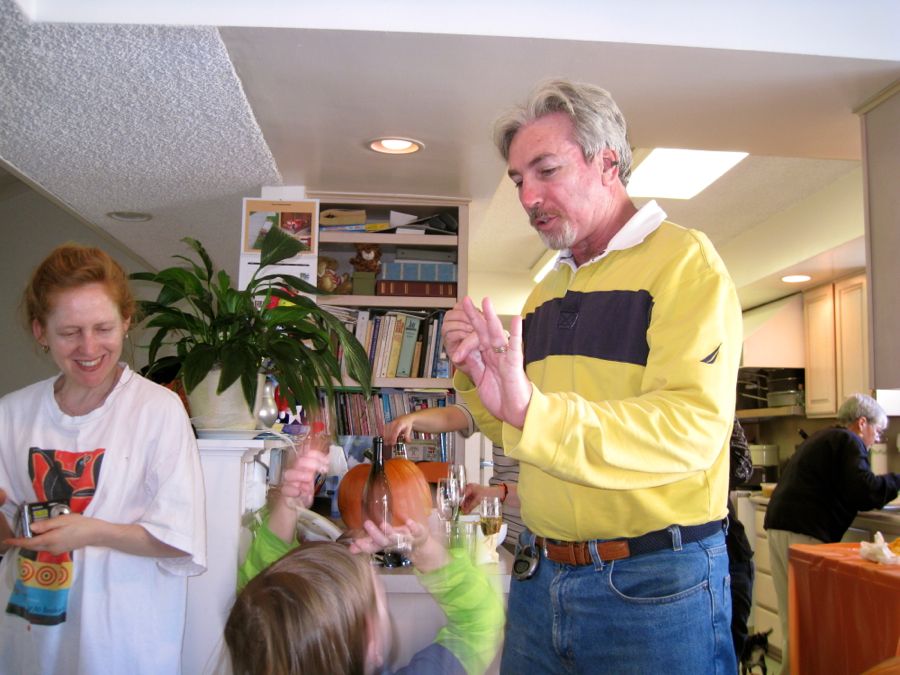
x,y
824,485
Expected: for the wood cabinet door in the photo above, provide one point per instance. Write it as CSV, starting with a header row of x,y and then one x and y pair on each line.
x,y
851,327
818,323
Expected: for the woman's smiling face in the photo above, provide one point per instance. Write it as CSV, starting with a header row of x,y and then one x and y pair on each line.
x,y
84,332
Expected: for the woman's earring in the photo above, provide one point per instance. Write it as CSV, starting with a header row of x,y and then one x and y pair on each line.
x,y
45,348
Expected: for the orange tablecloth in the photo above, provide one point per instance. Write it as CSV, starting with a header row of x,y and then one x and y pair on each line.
x,y
844,611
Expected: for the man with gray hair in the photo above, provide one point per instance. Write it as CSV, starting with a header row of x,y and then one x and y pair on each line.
x,y
824,485
616,393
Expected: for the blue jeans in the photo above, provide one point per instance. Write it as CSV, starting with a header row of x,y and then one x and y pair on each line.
x,y
663,612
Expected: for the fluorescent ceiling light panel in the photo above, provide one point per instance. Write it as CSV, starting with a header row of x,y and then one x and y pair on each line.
x,y
680,174
543,266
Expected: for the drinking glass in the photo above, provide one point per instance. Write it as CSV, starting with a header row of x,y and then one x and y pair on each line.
x,y
447,498
491,515
462,534
457,475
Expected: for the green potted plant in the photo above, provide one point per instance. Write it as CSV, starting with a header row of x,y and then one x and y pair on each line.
x,y
268,327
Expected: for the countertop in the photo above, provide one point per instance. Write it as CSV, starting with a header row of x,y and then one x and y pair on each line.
x,y
884,520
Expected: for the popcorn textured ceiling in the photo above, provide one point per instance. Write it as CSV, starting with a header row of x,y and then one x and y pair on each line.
x,y
136,118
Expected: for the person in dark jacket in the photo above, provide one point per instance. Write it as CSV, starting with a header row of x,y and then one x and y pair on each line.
x,y
823,487
740,553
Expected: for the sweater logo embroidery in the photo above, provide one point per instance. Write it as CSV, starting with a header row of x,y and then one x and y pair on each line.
x,y
41,591
712,356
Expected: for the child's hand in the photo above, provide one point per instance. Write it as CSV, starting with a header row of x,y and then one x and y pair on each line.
x,y
298,483
298,487
427,553
373,539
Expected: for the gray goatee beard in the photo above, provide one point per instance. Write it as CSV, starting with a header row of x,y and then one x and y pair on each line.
x,y
562,238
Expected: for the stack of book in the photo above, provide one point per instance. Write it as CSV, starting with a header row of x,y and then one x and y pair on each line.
x,y
419,272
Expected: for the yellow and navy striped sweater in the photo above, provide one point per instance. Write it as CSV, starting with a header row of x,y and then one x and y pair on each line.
x,y
634,359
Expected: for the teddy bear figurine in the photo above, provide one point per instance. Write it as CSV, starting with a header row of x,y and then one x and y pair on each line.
x,y
328,279
367,258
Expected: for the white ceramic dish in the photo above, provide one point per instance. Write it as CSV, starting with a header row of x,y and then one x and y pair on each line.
x,y
314,527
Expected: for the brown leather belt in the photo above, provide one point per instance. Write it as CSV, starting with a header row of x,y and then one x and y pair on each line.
x,y
579,552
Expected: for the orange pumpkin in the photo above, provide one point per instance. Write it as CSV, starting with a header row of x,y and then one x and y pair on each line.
x,y
410,494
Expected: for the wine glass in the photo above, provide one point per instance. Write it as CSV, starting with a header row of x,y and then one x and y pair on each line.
x,y
457,476
447,498
491,516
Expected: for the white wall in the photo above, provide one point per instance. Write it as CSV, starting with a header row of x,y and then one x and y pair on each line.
x,y
881,135
834,214
30,227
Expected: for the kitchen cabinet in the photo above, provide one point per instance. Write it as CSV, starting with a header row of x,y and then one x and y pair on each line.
x,y
851,324
765,601
773,334
835,321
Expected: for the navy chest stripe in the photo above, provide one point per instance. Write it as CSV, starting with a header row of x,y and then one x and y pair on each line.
x,y
610,325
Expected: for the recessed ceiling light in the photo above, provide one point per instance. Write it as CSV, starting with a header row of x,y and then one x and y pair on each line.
x,y
130,216
680,174
395,145
795,278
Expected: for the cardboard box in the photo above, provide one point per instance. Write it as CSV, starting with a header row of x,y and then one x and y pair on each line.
x,y
364,283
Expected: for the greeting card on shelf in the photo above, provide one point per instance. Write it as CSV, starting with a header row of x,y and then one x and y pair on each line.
x,y
299,219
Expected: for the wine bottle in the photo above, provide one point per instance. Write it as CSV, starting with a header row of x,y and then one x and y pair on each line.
x,y
376,496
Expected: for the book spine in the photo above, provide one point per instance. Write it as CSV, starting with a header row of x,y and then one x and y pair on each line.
x,y
396,344
408,346
416,369
404,253
373,341
431,289
441,367
384,344
427,366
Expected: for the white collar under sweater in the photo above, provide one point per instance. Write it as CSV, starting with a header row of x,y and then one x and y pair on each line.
x,y
632,233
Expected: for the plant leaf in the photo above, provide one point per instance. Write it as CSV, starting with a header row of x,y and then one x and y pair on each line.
x,y
204,256
292,282
278,245
239,361
196,365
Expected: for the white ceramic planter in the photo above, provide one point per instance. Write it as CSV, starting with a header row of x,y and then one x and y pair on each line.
x,y
228,410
